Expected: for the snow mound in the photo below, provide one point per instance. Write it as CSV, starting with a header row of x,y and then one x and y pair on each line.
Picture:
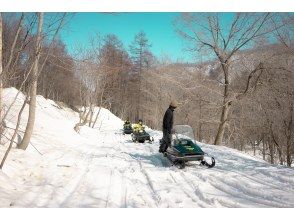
x,y
101,167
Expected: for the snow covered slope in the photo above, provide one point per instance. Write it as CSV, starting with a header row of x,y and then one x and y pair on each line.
x,y
100,167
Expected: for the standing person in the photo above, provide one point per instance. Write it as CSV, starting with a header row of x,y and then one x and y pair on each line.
x,y
167,126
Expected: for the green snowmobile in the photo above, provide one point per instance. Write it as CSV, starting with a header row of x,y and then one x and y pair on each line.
x,y
140,135
185,149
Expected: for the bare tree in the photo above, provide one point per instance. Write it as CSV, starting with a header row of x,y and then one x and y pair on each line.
x,y
13,46
206,32
14,133
33,87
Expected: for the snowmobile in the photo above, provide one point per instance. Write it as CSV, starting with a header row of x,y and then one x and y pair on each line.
x,y
141,136
127,129
185,149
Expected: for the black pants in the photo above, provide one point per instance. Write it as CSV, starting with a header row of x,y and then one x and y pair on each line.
x,y
165,141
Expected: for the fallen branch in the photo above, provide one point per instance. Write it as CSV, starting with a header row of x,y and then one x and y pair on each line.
x,y
61,165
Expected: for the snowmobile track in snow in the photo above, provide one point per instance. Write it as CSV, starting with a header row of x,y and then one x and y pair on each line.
x,y
109,188
77,182
106,169
155,196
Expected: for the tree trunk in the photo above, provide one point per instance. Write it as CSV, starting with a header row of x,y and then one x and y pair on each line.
x,y
221,129
278,146
91,117
14,134
96,118
199,122
225,108
289,137
82,114
271,151
100,104
288,154
280,154
7,66
1,75
33,88
263,149
83,121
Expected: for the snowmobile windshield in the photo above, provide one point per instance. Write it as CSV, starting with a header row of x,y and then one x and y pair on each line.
x,y
184,131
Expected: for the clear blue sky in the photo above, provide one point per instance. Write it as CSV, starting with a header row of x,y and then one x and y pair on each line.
x,y
157,26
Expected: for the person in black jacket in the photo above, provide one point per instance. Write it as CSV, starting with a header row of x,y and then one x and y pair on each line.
x,y
167,127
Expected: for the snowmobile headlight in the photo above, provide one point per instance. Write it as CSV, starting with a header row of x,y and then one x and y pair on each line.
x,y
141,131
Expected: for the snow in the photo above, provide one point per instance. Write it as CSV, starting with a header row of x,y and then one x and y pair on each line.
x,y
101,167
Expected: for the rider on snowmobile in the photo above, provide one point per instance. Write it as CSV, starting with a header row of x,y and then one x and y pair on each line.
x,y
139,126
167,126
127,123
